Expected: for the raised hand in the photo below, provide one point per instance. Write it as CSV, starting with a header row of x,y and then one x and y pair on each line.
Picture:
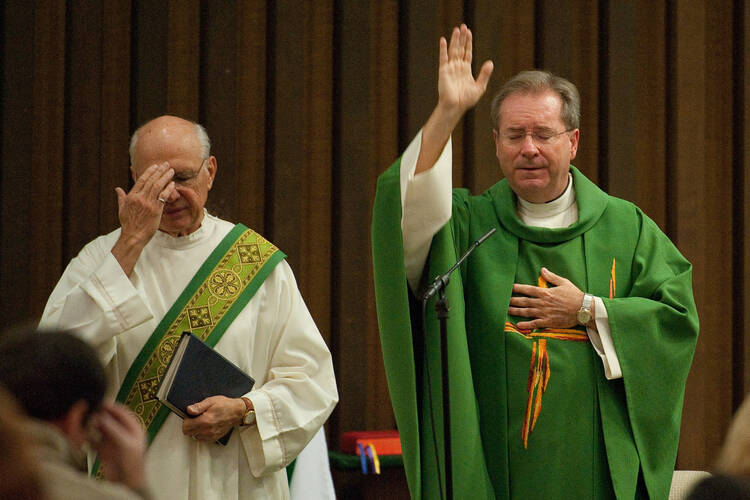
x,y
140,212
554,307
122,446
140,209
457,92
457,88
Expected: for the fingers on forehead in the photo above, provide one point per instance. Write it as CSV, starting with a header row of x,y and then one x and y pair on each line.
x,y
147,173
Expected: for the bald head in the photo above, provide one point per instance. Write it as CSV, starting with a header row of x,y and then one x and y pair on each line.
x,y
171,130
183,147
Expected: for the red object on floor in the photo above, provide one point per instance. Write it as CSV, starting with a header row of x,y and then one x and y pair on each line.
x,y
384,442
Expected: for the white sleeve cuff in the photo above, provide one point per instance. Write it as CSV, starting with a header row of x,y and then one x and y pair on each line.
x,y
601,339
263,436
425,205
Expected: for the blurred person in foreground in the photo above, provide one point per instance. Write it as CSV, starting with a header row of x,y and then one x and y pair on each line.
x,y
571,329
731,473
59,383
21,475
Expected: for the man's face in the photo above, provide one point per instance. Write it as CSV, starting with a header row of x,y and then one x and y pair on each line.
x,y
534,156
175,142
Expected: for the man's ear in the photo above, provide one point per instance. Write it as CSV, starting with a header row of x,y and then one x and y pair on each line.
x,y
212,166
574,143
73,424
496,138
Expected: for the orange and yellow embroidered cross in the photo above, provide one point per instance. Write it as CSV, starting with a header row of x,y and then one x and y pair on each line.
x,y
539,369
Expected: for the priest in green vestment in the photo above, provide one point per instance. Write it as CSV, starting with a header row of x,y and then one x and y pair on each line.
x,y
571,329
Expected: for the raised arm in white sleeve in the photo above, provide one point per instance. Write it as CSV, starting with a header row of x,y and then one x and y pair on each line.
x,y
426,164
425,206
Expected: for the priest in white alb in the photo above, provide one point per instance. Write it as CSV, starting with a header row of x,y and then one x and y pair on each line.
x,y
170,267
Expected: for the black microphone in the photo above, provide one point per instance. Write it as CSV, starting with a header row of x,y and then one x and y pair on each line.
x,y
442,281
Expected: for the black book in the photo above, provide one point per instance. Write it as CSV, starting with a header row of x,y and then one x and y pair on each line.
x,y
196,372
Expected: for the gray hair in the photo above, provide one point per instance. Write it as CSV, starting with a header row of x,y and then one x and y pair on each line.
x,y
200,133
534,82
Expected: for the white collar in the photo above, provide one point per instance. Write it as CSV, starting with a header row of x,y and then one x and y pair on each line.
x,y
550,208
183,242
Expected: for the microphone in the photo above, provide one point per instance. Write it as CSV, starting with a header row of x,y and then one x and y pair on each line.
x,y
442,281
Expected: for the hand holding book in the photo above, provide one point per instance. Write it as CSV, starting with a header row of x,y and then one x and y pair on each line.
x,y
204,388
214,417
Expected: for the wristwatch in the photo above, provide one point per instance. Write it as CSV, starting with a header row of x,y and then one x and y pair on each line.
x,y
584,313
249,417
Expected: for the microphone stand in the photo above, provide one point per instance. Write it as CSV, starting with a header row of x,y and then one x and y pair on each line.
x,y
439,284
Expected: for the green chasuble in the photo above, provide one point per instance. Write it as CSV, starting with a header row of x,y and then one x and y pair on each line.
x,y
532,414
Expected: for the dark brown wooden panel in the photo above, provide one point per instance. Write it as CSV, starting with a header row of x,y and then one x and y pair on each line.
x,y
115,102
503,33
423,23
183,56
568,35
17,140
46,198
233,98
700,171
301,156
351,239
421,31
316,237
366,142
717,231
687,150
383,120
150,50
30,182
636,108
287,152
251,130
82,124
218,98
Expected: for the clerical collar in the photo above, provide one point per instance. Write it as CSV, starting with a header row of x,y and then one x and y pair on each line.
x,y
187,241
527,209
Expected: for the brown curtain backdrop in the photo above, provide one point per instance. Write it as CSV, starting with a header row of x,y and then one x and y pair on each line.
x,y
307,102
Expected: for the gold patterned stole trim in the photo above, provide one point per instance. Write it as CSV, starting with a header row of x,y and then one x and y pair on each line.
x,y
205,309
217,293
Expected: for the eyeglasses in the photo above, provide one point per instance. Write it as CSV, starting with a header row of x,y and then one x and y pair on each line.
x,y
540,137
188,178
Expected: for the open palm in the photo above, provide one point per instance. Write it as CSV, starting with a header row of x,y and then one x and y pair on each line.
x,y
457,87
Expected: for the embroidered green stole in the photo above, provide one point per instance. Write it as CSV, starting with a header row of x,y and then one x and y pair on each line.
x,y
218,292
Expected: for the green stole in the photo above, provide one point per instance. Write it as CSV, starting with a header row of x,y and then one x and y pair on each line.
x,y
639,414
217,293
